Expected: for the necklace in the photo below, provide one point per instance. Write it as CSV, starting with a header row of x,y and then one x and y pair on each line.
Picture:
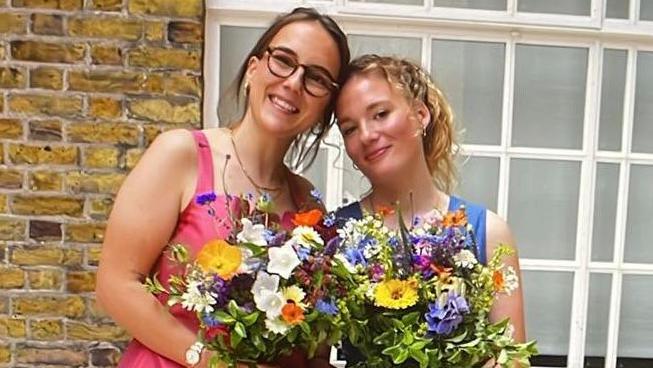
x,y
259,188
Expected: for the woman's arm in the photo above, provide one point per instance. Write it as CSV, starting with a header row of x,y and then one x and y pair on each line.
x,y
142,221
511,306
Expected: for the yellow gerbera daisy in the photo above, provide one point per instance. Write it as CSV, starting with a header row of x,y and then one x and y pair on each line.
x,y
396,294
220,257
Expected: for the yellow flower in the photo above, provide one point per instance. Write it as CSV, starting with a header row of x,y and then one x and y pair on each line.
x,y
396,294
220,257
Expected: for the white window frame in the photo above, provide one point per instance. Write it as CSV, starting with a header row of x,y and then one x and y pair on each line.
x,y
510,27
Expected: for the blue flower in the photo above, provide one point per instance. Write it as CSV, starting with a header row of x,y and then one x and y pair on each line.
x,y
205,198
355,256
220,288
329,219
316,195
443,319
303,253
394,242
332,246
326,307
210,321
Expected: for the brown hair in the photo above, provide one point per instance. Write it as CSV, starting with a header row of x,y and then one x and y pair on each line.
x,y
439,142
300,151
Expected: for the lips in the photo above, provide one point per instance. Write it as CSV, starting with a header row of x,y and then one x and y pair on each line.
x,y
283,105
376,153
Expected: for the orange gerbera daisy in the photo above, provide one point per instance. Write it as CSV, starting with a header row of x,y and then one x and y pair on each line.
x,y
498,280
310,218
458,218
220,257
292,313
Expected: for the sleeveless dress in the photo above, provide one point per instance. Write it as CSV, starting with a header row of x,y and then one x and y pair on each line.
x,y
476,215
195,227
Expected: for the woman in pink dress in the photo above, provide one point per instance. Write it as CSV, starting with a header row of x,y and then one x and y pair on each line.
x,y
289,86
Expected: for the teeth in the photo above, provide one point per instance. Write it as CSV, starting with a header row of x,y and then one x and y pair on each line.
x,y
284,105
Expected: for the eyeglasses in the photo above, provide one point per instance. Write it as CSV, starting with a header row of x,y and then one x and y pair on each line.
x,y
316,80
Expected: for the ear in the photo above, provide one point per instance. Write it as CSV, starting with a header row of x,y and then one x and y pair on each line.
x,y
423,114
252,65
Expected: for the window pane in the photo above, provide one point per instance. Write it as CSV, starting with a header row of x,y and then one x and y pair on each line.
x,y
410,48
548,314
404,2
643,125
549,96
612,99
617,9
317,173
598,313
646,10
235,44
479,180
635,323
639,227
543,207
605,211
571,7
473,4
475,90
354,183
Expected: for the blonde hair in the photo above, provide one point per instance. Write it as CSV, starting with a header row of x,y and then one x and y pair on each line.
x,y
440,141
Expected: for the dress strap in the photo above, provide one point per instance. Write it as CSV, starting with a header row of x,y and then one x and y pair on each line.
x,y
204,163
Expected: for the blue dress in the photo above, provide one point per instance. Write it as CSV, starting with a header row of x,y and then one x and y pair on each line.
x,y
476,216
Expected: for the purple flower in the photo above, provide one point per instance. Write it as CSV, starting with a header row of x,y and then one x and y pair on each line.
x,y
326,307
332,246
210,321
274,239
355,256
394,242
316,195
377,272
443,319
220,288
205,198
302,253
329,219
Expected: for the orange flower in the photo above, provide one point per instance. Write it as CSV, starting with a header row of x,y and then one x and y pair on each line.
x,y
498,281
458,218
220,257
310,218
292,313
442,272
385,210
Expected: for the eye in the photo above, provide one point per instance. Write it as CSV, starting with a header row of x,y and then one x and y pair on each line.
x,y
318,78
347,130
284,60
380,114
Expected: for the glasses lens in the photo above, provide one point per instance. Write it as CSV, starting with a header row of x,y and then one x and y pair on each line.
x,y
281,63
317,82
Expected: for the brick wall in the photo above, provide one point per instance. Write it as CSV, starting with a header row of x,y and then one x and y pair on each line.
x,y
85,85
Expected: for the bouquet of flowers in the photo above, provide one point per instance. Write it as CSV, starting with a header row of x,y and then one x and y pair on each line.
x,y
270,287
422,298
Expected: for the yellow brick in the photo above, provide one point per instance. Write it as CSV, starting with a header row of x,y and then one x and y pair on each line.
x,y
85,233
49,4
169,111
93,255
46,105
106,5
5,354
84,331
11,278
11,128
12,327
46,256
45,181
11,179
105,107
95,311
12,77
12,229
172,8
154,31
3,203
47,24
150,132
101,157
118,82
106,54
46,329
133,156
70,306
115,133
42,205
45,279
79,182
48,52
99,208
80,281
173,83
51,357
38,154
113,27
154,57
12,23
49,78
185,32
45,130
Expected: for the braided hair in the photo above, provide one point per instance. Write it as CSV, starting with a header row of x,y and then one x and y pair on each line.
x,y
440,141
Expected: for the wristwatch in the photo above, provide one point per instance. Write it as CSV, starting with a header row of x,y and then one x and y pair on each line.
x,y
194,353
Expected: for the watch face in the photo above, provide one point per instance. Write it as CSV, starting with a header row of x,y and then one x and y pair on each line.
x,y
192,357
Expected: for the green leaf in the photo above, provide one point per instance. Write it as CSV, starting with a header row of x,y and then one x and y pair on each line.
x,y
233,308
240,329
305,328
420,357
401,357
250,319
408,338
503,357
223,317
410,319
235,339
258,342
457,339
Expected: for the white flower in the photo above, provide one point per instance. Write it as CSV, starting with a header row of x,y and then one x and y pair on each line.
x,y
276,326
283,260
271,303
510,280
465,259
196,301
307,236
252,233
264,282
294,293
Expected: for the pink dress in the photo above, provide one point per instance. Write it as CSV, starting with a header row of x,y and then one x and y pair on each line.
x,y
195,227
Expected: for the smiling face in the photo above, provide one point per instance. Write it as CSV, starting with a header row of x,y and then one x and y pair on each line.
x,y
282,106
382,130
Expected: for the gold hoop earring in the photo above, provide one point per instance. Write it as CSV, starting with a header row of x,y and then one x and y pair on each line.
x,y
246,88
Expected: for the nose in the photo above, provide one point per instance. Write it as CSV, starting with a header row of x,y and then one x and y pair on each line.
x,y
295,80
368,132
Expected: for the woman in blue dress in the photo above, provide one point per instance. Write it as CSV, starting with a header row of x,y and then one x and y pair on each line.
x,y
398,130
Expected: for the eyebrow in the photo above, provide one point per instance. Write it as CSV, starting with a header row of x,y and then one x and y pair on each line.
x,y
293,53
369,108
